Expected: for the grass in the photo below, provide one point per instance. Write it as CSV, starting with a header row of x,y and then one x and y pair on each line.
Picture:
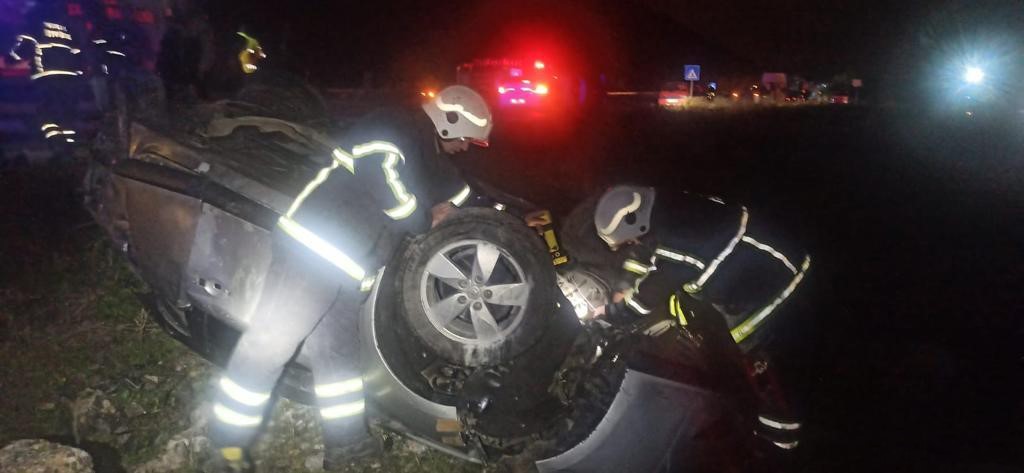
x,y
70,322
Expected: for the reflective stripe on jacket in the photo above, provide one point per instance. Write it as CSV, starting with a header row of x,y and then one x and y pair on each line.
x,y
356,210
51,51
693,247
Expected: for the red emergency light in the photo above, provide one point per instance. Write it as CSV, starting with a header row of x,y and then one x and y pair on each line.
x,y
144,17
113,13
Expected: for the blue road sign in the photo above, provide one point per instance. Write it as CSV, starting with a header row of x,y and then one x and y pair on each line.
x,y
691,72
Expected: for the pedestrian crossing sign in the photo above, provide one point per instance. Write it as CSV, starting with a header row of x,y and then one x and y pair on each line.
x,y
691,72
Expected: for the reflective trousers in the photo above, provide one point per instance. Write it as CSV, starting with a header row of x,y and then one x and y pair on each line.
x,y
57,108
305,299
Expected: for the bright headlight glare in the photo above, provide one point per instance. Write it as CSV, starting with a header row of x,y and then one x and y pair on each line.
x,y
974,75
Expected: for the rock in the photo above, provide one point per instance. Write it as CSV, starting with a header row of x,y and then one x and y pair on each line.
x,y
413,448
94,417
133,409
292,439
41,456
183,451
315,463
186,450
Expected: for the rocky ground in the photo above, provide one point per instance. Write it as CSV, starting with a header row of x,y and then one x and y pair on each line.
x,y
84,366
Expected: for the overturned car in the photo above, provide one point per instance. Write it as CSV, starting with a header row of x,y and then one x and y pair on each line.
x,y
192,208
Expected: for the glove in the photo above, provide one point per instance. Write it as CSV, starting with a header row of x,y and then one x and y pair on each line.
x,y
230,460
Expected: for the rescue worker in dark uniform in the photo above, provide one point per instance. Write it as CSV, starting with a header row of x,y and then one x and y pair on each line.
x,y
388,180
113,45
116,54
237,55
682,251
54,54
185,53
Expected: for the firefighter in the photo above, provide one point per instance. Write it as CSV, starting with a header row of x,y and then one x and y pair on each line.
x,y
389,179
251,54
236,57
51,48
185,54
680,247
113,49
117,50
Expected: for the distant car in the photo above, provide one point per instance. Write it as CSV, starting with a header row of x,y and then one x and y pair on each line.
x,y
673,95
840,99
796,96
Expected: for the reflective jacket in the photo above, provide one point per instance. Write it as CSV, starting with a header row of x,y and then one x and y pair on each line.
x,y
50,48
715,252
380,187
113,48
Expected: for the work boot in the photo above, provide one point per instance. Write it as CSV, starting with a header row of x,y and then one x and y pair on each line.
x,y
230,460
338,458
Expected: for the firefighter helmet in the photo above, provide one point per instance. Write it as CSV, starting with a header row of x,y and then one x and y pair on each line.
x,y
624,214
458,112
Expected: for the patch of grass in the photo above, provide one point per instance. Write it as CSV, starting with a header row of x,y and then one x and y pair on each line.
x,y
70,321
79,325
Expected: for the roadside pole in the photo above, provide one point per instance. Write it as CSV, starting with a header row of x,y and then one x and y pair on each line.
x,y
857,84
691,73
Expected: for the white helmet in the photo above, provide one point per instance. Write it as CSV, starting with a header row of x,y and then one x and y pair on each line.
x,y
459,112
624,214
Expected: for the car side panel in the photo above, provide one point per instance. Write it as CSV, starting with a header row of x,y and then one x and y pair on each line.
x,y
649,422
162,224
228,265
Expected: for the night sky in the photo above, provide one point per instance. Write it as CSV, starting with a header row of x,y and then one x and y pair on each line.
x,y
636,43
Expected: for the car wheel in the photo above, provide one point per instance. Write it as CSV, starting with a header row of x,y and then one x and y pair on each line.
x,y
477,290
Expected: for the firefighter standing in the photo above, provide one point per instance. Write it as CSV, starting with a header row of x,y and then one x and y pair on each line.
x,y
388,180
236,56
684,246
116,54
54,54
185,53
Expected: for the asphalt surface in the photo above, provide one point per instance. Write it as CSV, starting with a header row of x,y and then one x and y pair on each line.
x,y
913,359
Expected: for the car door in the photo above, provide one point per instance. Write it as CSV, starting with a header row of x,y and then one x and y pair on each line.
x,y
230,255
162,209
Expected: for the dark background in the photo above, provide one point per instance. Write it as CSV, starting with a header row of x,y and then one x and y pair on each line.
x,y
891,45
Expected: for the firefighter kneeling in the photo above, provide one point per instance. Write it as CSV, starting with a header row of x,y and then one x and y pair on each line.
x,y
683,256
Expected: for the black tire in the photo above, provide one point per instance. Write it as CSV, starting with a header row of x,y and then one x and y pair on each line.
x,y
517,242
